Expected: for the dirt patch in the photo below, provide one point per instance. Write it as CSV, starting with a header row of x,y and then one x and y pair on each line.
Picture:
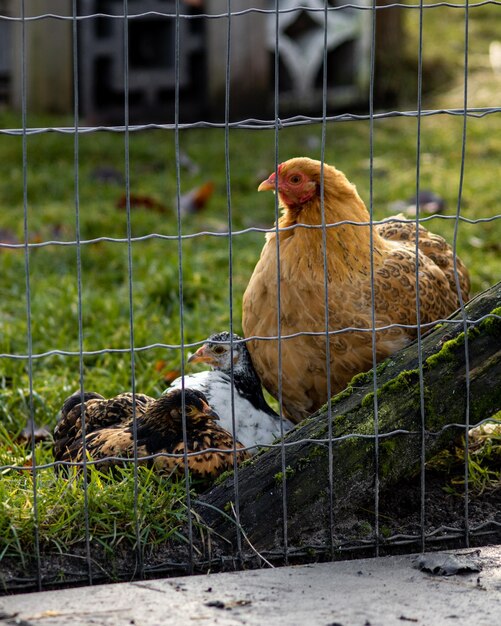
x,y
400,514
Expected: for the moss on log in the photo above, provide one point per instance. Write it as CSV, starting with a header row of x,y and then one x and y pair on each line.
x,y
308,490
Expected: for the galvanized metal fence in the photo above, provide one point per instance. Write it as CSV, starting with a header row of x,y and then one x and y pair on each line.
x,y
178,19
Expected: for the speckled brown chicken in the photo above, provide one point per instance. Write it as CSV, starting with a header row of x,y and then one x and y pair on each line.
x,y
304,362
110,432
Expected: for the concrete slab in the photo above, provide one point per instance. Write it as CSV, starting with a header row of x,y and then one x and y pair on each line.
x,y
367,592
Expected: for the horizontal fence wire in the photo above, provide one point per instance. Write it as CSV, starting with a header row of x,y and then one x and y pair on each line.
x,y
282,444
258,124
251,229
194,344
282,11
289,552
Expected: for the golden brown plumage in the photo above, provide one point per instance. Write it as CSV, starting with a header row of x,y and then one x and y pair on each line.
x,y
110,432
304,381
99,413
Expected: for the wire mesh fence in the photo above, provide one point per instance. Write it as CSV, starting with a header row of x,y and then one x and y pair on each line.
x,y
43,552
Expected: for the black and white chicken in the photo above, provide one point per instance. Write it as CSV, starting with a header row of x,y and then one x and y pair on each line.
x,y
256,423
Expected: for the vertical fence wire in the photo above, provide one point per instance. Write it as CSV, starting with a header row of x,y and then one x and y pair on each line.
x,y
277,124
180,284
234,428
456,277
130,279
34,469
76,160
416,278
372,274
326,284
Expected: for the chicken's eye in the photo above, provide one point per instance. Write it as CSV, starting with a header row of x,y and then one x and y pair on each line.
x,y
218,349
295,179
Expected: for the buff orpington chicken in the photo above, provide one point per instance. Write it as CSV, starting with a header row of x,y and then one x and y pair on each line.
x,y
348,260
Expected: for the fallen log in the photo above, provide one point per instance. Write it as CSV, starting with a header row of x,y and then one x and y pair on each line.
x,y
325,483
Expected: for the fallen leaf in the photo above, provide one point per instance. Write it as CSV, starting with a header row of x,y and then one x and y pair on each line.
x,y
479,435
476,242
8,236
217,604
196,200
107,174
187,163
447,564
495,56
139,201
41,434
430,203
169,375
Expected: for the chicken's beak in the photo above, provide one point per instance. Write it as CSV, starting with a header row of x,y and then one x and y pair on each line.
x,y
202,355
209,413
268,184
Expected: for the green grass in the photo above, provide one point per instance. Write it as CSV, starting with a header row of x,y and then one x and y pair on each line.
x,y
60,514
155,298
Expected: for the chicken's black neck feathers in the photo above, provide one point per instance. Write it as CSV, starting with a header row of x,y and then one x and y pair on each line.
x,y
245,377
247,382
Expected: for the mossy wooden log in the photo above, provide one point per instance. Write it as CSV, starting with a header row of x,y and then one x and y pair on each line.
x,y
306,479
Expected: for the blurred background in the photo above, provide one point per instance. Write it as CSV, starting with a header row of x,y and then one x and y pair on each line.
x,y
202,56
74,313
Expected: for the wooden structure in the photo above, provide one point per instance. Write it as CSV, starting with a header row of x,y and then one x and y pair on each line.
x,y
48,57
202,57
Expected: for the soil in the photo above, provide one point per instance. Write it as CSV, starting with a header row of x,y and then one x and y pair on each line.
x,y
399,531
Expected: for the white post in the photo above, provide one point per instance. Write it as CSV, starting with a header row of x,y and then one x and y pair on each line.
x,y
49,57
249,60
